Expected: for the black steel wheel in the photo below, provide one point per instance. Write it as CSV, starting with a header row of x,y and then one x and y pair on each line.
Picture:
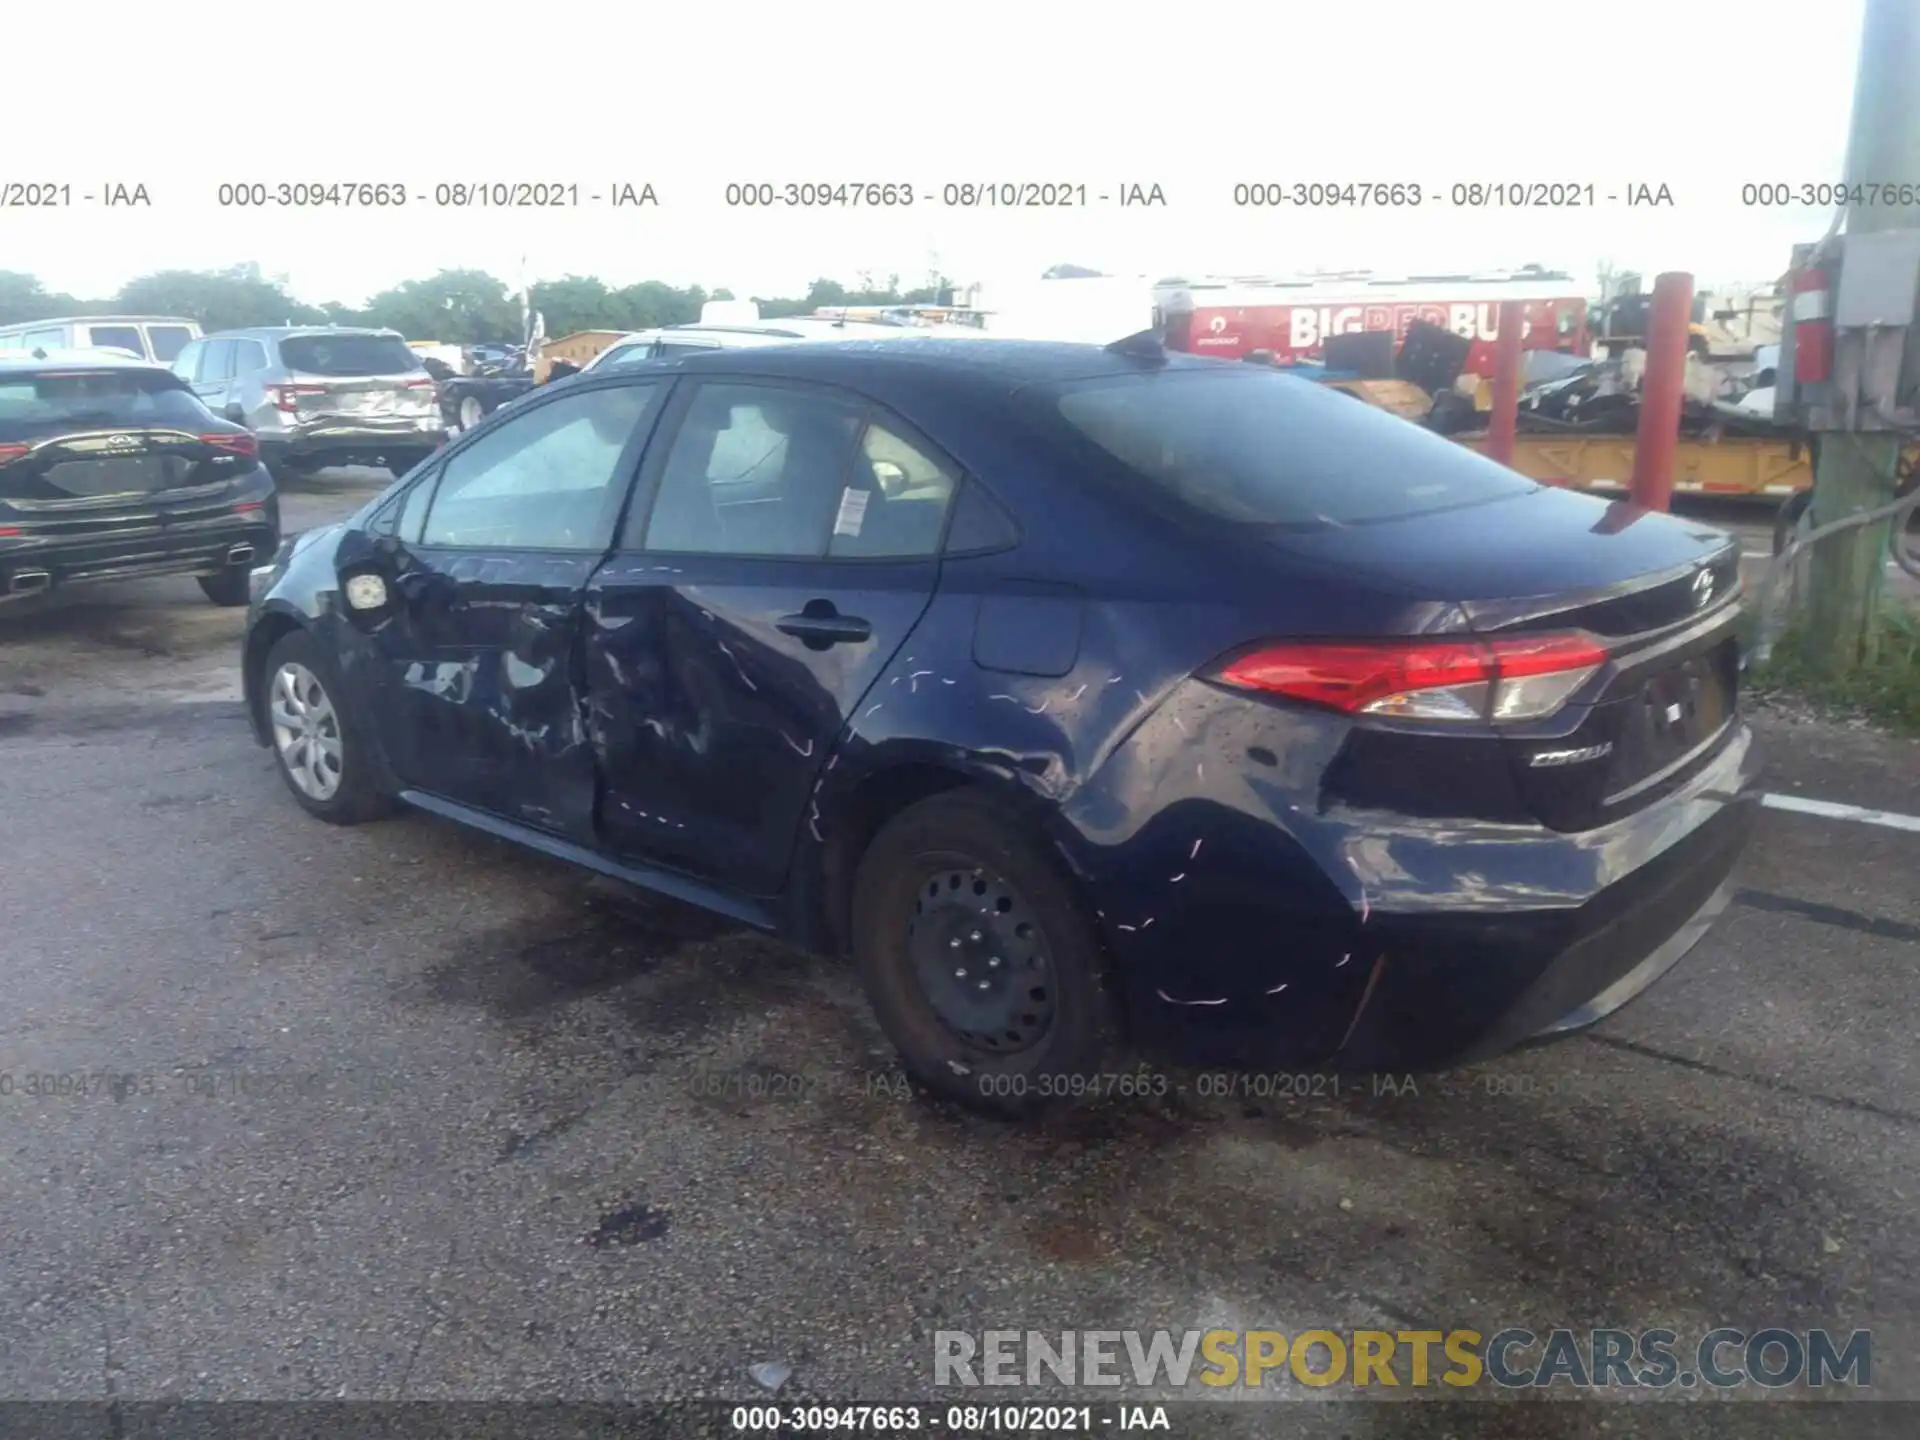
x,y
981,959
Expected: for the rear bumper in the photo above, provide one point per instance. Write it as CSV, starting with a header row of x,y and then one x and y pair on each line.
x,y
1443,994
1250,926
133,552
398,442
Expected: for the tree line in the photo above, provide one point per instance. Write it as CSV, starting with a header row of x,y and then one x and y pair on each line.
x,y
455,307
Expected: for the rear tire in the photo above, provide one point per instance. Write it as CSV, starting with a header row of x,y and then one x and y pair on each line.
x,y
981,960
332,775
472,412
229,587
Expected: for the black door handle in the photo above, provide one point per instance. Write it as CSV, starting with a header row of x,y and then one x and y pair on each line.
x,y
824,626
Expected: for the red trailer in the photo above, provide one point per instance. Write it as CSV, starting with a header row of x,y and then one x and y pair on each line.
x,y
1233,318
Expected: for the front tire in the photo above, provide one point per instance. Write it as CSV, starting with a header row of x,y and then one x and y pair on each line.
x,y
319,750
230,587
981,960
472,412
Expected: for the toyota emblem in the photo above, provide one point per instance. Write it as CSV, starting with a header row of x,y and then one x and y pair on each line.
x,y
1702,588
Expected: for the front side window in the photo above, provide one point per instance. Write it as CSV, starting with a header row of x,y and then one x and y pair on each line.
x,y
550,478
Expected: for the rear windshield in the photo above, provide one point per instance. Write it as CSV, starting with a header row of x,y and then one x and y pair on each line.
x,y
36,403
348,355
626,355
1245,444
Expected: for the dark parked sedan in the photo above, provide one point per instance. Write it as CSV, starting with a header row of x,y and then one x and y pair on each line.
x,y
111,468
1163,697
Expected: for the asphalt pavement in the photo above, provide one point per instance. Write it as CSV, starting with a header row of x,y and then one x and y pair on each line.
x,y
402,1112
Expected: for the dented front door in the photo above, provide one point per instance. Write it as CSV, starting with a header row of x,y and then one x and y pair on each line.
x,y
482,702
481,706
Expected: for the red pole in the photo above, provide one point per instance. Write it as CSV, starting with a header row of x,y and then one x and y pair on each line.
x,y
1504,420
1662,390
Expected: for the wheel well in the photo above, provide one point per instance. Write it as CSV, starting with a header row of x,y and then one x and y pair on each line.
x,y
857,819
260,641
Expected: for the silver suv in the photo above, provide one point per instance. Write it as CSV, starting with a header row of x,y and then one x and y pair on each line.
x,y
319,395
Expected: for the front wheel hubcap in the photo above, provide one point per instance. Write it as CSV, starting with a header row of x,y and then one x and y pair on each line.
x,y
306,731
981,960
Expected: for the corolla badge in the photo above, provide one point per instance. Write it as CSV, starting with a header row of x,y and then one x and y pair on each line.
x,y
1702,588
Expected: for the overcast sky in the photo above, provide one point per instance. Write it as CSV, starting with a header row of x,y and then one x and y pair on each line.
x,y
1192,97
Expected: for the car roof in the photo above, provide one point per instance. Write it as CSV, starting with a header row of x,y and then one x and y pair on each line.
x,y
775,332
99,320
287,332
1022,362
15,361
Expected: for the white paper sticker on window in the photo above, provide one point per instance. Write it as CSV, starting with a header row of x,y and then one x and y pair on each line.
x,y
853,512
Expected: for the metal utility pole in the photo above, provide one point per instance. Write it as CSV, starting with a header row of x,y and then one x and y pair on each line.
x,y
1503,422
1855,469
1662,391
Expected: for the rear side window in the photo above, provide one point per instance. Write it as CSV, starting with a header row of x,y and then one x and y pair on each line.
x,y
1246,445
348,355
75,399
118,337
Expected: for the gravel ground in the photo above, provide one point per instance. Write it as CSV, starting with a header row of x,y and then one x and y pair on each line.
x,y
409,1114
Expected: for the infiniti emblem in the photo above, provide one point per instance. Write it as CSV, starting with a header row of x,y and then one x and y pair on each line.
x,y
121,442
1702,588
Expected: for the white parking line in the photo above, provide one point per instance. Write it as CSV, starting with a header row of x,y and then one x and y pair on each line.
x,y
1828,810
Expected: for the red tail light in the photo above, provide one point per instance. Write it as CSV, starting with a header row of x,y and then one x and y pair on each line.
x,y
287,397
249,507
420,384
244,445
1504,679
11,453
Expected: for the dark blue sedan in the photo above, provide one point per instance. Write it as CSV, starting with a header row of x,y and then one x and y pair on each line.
x,y
1079,696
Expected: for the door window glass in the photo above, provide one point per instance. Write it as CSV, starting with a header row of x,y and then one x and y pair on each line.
x,y
897,500
549,478
168,341
118,337
756,470
217,363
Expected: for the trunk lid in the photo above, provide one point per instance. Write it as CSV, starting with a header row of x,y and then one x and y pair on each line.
x,y
1659,592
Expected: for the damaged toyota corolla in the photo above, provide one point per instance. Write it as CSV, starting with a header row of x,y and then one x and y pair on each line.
x,y
1082,697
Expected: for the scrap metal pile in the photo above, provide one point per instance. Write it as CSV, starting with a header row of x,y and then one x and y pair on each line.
x,y
1422,381
1602,397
